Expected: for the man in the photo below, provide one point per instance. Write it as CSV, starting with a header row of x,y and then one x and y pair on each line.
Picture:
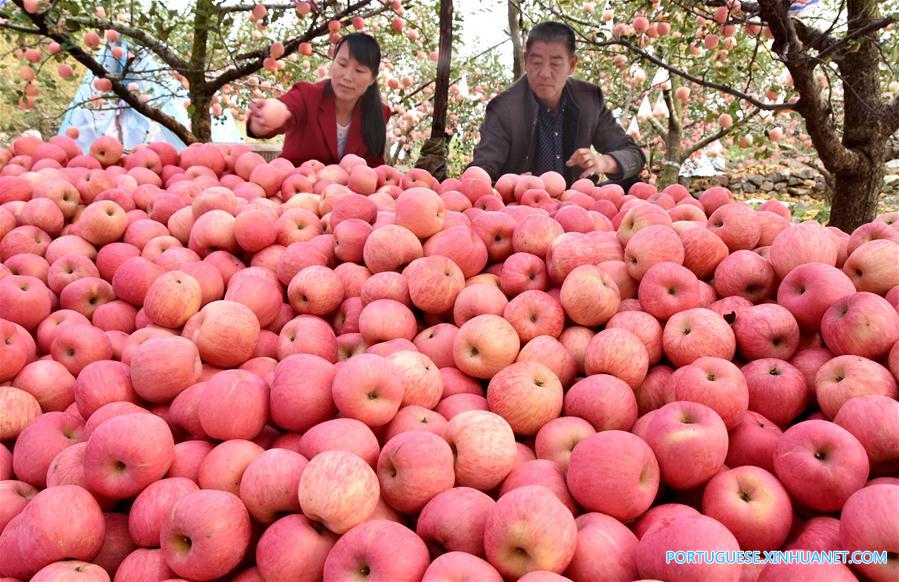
x,y
549,120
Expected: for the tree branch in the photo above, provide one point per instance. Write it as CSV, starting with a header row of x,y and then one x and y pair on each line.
x,y
249,7
891,116
255,59
818,115
18,28
657,125
826,45
694,79
161,49
118,87
718,135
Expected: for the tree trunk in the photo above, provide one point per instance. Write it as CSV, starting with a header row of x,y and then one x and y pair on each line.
x,y
200,117
674,156
441,91
857,190
856,196
200,99
515,35
435,151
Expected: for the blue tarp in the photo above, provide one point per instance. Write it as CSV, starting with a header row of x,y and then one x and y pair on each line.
x,y
129,126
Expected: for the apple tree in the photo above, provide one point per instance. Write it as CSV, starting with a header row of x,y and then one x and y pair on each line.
x,y
215,49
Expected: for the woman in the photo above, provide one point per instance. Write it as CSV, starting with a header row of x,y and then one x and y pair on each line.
x,y
338,116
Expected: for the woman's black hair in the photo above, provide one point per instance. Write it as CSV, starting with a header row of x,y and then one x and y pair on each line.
x,y
365,49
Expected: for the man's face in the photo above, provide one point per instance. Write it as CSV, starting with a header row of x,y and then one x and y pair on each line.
x,y
548,65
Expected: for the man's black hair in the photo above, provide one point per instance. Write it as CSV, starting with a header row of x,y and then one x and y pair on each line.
x,y
552,32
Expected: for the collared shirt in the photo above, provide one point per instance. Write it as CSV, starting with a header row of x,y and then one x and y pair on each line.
x,y
549,137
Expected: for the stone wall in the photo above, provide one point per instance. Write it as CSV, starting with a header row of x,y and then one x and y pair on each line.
x,y
781,181
784,182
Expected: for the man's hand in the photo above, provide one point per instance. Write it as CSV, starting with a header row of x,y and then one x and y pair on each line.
x,y
593,162
267,116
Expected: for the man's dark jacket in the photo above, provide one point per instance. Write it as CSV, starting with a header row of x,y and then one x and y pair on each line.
x,y
509,132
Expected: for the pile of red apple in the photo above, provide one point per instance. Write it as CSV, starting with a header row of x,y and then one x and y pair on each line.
x,y
218,367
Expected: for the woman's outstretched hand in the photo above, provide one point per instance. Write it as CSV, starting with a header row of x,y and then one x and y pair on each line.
x,y
267,116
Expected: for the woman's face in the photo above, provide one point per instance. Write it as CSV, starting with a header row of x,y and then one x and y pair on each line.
x,y
349,77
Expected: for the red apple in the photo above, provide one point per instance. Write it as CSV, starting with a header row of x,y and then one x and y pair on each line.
x,y
697,332
686,533
300,410
389,247
620,353
234,405
269,484
690,442
517,537
820,464
39,443
867,524
872,266
846,377
434,283
152,505
874,421
162,367
809,289
485,345
483,444
745,274
205,534
338,489
605,401
777,389
358,551
808,242
341,434
60,522
766,331
421,211
460,566
127,453
752,504
527,395
613,472
225,333
223,467
293,548
667,288
589,295
172,299
606,548
736,224
861,324
413,467
367,388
